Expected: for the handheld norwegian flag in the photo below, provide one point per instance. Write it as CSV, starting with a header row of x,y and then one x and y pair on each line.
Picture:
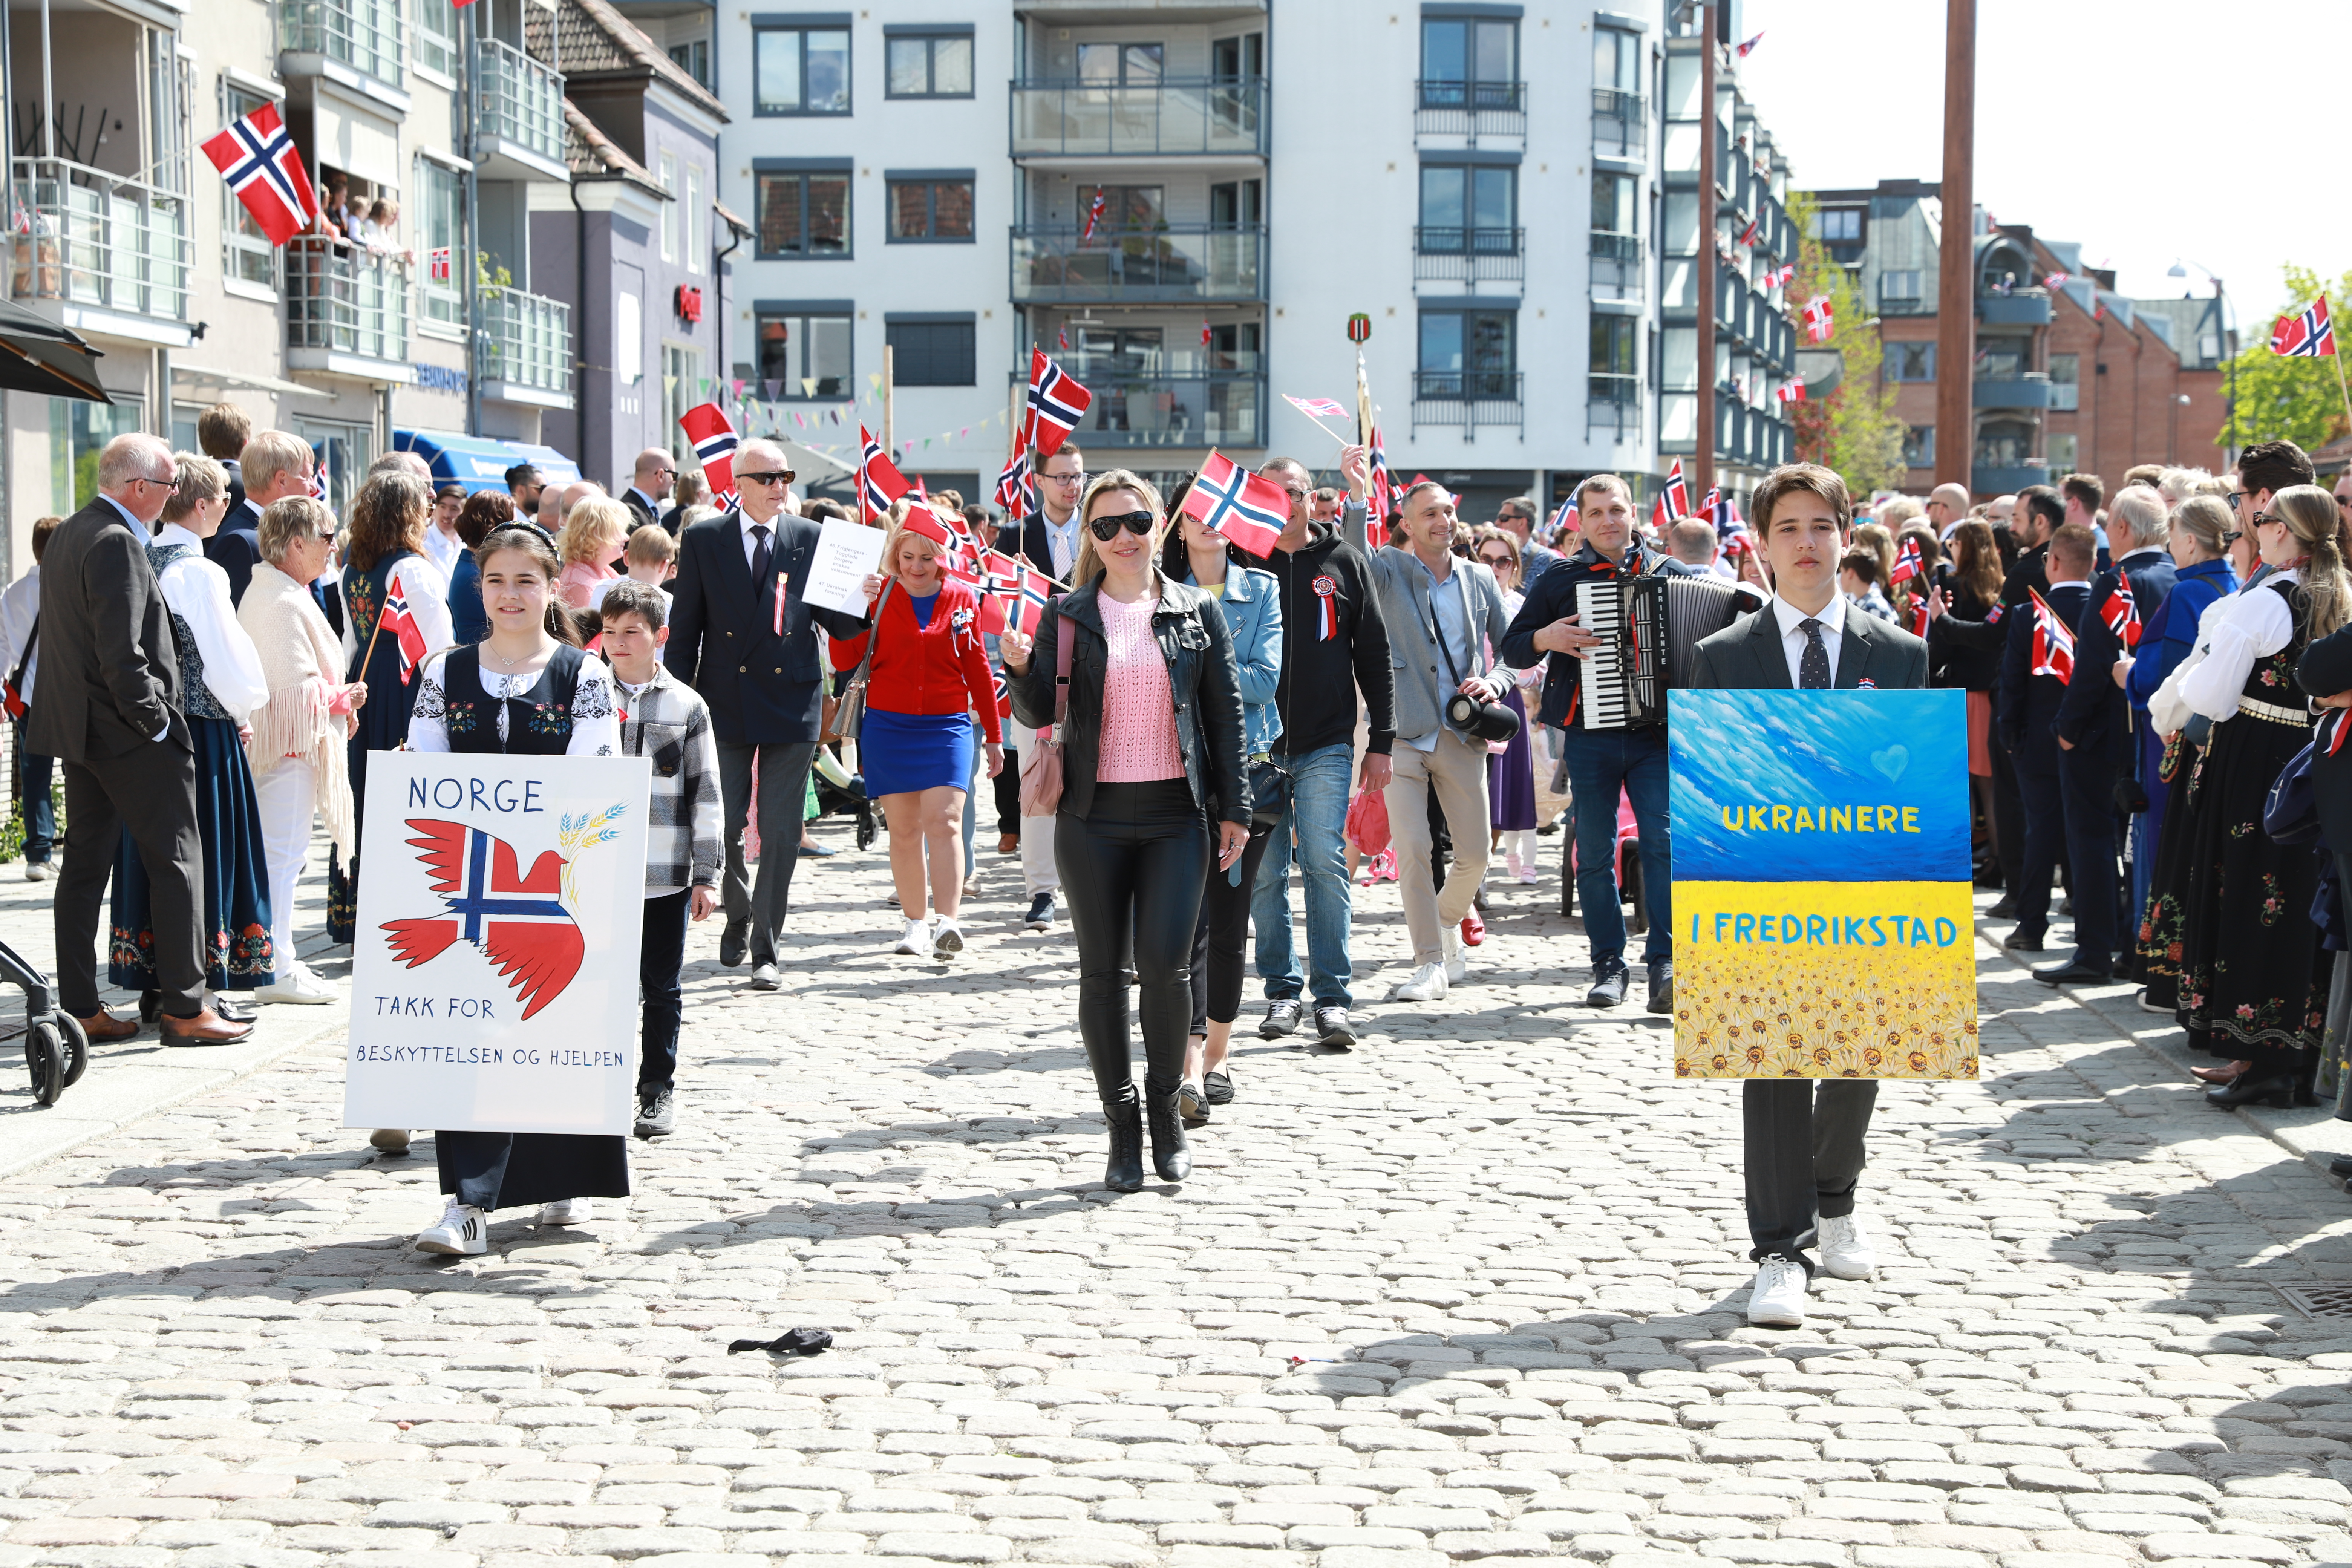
x,y
2056,279
713,434
1792,391
1248,509
1056,404
1907,563
879,482
1014,596
922,520
1677,495
2121,612
1820,321
1707,508
1316,407
2053,641
1659,521
1013,488
1751,44
2301,336
1003,692
1094,216
257,159
1382,503
398,620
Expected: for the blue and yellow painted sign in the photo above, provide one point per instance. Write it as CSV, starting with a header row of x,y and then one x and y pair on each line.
x,y
1821,903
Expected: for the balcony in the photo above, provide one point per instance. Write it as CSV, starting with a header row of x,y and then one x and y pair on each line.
x,y
354,42
1988,480
518,134
1167,265
2031,390
1183,407
1623,391
1175,118
1469,398
104,254
346,312
1471,109
1469,256
1904,305
2023,309
1620,125
526,349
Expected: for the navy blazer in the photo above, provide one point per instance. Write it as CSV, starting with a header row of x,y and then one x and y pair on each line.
x,y
764,689
236,548
2091,713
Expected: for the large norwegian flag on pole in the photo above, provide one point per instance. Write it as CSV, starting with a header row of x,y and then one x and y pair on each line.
x,y
1248,509
1056,404
2053,641
879,482
259,160
713,434
2306,334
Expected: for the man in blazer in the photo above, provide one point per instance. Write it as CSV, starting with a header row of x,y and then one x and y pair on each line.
x,y
764,688
1805,1143
108,707
1443,615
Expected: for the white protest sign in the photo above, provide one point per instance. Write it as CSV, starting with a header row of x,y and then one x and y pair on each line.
x,y
845,554
494,980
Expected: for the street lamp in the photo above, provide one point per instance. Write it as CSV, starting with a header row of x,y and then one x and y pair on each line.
x,y
2225,334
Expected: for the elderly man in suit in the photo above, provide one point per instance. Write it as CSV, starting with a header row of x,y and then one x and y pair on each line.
x,y
1805,1143
1443,615
765,687
108,707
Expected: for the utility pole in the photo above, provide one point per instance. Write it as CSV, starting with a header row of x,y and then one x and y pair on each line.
x,y
469,260
1956,314
1702,465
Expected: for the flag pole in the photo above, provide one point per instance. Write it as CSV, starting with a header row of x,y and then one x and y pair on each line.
x,y
889,386
2340,386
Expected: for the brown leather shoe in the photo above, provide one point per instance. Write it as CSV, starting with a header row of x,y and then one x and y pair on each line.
x,y
206,1028
1008,844
103,1026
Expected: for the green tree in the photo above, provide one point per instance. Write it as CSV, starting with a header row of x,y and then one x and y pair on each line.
x,y
2277,399
1854,428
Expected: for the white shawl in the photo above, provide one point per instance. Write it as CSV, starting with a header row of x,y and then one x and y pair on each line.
x,y
300,657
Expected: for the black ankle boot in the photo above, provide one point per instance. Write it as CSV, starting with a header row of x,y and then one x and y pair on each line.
x,y
1124,1171
1169,1156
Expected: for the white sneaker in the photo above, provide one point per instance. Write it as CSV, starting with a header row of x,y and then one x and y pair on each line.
x,y
299,988
391,1140
566,1211
1777,1299
36,871
464,1230
1457,965
1427,985
947,939
1846,1251
917,939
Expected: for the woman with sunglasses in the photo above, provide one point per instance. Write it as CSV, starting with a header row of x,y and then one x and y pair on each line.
x,y
1511,771
1142,669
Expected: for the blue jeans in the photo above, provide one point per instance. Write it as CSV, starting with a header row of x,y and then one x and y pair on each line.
x,y
40,811
1318,813
1600,764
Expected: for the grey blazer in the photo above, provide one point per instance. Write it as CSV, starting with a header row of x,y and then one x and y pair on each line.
x,y
110,670
1423,683
1748,656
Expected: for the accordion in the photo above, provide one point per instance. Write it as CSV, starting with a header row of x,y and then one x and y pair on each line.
x,y
1648,625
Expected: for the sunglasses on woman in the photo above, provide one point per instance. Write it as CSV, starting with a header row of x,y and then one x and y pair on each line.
x,y
1107,528
1497,562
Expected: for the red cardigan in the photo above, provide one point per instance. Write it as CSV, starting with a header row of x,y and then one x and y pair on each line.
x,y
938,668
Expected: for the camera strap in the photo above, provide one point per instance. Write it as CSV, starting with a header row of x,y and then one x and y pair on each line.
x,y
1436,634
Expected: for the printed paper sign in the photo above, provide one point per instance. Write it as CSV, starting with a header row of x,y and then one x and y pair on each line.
x,y
1823,926
494,980
845,554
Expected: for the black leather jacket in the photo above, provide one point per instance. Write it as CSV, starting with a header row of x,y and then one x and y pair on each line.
x,y
1202,678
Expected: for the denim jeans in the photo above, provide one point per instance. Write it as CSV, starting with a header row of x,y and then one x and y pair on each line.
x,y
40,810
1600,764
1316,815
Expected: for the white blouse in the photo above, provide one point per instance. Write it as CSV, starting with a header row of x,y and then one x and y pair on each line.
x,y
198,591
2249,625
595,714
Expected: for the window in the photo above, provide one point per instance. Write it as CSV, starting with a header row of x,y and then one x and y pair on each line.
x,y
2062,451
441,225
1237,204
932,350
1919,446
1999,361
1615,345
79,431
2004,443
1839,225
1899,290
2065,386
693,58
1616,203
928,65
1616,63
804,353
1910,362
436,37
1469,63
1468,353
1121,65
800,70
1132,209
697,217
246,254
1236,59
923,210
343,453
670,213
1469,208
803,212
681,390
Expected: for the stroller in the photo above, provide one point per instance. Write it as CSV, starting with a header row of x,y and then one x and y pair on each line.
x,y
836,800
55,1051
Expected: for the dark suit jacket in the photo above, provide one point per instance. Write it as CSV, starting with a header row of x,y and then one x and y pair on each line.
x,y
763,689
109,674
639,509
1747,655
2325,671
2092,714
1030,539
2028,710
236,546
2031,575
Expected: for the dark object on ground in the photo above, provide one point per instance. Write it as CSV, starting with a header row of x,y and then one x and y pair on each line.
x,y
791,1341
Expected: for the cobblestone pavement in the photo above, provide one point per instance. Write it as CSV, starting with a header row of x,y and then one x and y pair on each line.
x,y
1475,1290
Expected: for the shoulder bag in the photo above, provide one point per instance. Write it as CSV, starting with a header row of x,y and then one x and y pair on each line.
x,y
1041,781
849,713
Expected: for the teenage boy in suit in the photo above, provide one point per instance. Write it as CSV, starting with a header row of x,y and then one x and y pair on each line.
x,y
1804,1143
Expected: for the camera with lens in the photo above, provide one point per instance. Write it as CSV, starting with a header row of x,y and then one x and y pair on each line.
x,y
1481,720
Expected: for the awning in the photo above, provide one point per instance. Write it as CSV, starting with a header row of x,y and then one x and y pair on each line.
x,y
480,462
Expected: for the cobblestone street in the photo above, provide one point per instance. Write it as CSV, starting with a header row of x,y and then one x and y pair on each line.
x,y
1475,1290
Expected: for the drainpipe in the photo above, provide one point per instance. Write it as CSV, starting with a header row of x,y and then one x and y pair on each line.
x,y
719,285
580,323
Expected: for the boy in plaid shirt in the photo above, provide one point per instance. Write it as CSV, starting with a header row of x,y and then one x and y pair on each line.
x,y
663,720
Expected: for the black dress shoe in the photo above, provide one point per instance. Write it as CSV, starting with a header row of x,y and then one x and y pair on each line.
x,y
2074,972
2022,941
2006,910
735,944
2277,1092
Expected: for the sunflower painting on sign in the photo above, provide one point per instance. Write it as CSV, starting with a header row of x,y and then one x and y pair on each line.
x,y
1822,884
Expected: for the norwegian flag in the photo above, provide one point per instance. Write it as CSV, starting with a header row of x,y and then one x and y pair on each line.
x,y
1205,341
2309,333
1820,321
1094,216
923,520
1706,507
2121,612
1248,509
1725,515
713,434
1003,692
1677,497
1316,407
1792,391
519,922
1751,44
1748,235
1920,620
1062,337
1013,490
1659,519
436,264
257,159
398,620
879,482
2053,641
1056,404
1382,502
2056,279
1907,563
1013,596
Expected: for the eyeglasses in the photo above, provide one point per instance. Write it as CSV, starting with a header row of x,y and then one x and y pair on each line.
x,y
2237,496
770,477
1295,494
167,481
1107,528
326,538
2231,536
2262,517
1077,479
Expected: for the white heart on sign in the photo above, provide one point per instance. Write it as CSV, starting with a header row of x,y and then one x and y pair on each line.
x,y
1891,761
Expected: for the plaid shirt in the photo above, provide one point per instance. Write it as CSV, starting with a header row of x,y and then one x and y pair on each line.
x,y
668,721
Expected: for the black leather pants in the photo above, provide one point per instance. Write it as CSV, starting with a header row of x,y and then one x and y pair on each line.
x,y
1134,867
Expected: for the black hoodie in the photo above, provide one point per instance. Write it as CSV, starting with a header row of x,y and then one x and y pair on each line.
x,y
1323,664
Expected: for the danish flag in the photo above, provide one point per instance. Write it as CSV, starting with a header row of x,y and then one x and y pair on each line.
x,y
1792,391
2300,336
436,264
1012,596
1248,509
2053,641
398,620
713,434
1056,404
1820,323
1677,495
518,923
1907,563
2121,612
259,160
879,482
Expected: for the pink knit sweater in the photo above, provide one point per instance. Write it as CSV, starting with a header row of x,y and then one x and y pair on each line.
x,y
1139,727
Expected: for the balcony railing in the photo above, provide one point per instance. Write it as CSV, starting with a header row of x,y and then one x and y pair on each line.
x,y
365,34
2023,309
1616,246
1472,109
1470,398
342,304
1450,254
526,348
1617,105
88,237
1999,479
1167,264
1072,118
1615,389
2028,390
1179,408
522,101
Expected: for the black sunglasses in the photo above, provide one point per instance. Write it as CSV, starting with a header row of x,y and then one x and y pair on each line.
x,y
768,477
1107,528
